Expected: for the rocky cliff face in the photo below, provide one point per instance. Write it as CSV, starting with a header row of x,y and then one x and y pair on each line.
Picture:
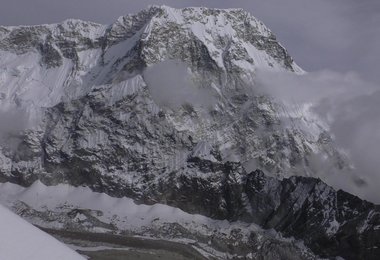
x,y
93,121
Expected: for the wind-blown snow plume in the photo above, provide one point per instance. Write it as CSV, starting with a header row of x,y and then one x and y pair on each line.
x,y
349,105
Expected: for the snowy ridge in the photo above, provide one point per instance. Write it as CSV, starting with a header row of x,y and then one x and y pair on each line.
x,y
131,216
122,215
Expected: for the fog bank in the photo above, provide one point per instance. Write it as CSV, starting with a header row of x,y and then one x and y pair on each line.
x,y
350,107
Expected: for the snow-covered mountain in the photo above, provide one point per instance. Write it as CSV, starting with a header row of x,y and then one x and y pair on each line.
x,y
64,61
162,106
85,68
19,240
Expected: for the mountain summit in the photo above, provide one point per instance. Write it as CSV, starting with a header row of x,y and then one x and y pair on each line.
x,y
162,106
61,58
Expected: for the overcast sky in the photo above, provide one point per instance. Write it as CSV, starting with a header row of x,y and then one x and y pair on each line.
x,y
342,35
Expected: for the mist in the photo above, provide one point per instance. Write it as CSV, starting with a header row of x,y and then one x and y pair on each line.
x,y
13,119
171,86
350,107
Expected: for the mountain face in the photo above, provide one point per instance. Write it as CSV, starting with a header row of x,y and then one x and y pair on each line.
x,y
89,79
92,119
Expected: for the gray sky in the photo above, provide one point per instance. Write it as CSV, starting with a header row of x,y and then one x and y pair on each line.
x,y
342,35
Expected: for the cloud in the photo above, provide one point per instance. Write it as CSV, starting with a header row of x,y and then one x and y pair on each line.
x,y
350,107
312,87
355,124
171,85
12,120
16,118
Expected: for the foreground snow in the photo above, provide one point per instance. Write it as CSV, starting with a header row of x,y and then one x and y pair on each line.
x,y
20,240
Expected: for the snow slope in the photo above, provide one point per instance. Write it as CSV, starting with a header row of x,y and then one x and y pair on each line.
x,y
20,240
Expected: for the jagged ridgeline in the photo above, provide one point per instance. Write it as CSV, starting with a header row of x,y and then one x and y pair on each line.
x,y
117,109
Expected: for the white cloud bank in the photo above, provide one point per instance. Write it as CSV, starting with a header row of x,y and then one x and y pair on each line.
x,y
351,108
